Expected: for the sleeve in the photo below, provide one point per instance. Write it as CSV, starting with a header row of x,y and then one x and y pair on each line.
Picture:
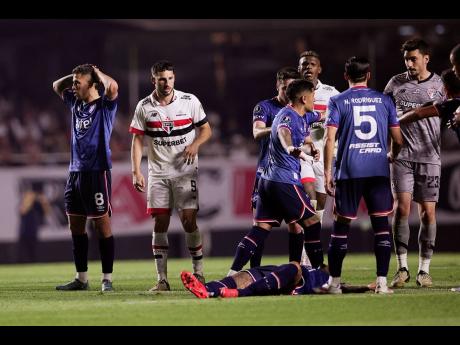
x,y
447,109
389,88
392,116
110,104
312,116
333,118
69,97
260,113
198,115
285,122
138,124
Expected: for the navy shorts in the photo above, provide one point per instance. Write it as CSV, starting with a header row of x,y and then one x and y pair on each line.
x,y
88,193
376,192
261,271
282,201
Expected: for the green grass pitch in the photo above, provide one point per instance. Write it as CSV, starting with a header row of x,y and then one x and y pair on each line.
x,y
28,297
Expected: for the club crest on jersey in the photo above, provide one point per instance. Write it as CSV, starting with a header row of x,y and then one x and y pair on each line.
x,y
432,93
167,126
286,120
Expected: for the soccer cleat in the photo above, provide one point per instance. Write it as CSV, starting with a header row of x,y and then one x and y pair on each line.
x,y
423,279
228,293
457,289
193,284
162,285
200,278
401,277
106,285
383,289
74,285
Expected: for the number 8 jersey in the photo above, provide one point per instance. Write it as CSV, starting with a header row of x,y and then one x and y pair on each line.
x,y
362,117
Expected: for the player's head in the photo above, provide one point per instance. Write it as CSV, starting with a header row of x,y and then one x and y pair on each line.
x,y
455,59
310,65
451,83
357,69
163,77
416,57
84,81
284,77
301,92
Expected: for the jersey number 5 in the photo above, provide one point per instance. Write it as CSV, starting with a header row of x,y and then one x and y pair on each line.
x,y
359,116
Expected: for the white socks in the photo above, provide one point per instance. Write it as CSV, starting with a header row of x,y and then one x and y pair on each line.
x,y
402,261
160,248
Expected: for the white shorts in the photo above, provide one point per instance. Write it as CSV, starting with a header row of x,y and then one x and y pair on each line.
x,y
313,172
166,194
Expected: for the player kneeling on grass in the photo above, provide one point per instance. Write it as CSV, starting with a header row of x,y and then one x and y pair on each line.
x,y
287,279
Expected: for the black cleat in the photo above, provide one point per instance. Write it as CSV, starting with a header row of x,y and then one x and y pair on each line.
x,y
73,286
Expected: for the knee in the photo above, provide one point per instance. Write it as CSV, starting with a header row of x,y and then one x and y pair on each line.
x,y
189,224
402,209
428,216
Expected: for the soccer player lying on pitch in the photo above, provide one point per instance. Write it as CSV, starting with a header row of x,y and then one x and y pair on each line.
x,y
447,110
287,279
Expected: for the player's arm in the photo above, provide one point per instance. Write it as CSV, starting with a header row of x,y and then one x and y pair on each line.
x,y
62,84
136,157
419,113
396,142
284,134
329,143
204,134
110,85
260,130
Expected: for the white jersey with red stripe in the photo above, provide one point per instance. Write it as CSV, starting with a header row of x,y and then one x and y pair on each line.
x,y
323,93
169,129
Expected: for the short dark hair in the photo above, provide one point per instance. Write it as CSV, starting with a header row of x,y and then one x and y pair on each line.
x,y
416,43
287,73
308,53
455,52
296,87
86,69
450,81
356,68
161,66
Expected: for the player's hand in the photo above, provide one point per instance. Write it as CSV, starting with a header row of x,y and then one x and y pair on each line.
x,y
139,182
315,153
329,184
190,153
456,120
295,152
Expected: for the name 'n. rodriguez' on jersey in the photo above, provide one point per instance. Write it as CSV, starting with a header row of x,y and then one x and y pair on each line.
x,y
170,129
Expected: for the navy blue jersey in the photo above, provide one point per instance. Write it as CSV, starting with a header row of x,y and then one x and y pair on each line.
x,y
281,166
312,280
91,129
362,117
265,111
